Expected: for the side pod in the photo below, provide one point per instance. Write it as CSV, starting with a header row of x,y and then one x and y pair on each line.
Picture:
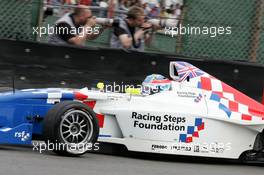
x,y
21,134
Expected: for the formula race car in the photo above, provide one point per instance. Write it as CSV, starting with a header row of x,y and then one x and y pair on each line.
x,y
192,114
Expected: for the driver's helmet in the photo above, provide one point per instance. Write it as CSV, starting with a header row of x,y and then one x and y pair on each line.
x,y
155,83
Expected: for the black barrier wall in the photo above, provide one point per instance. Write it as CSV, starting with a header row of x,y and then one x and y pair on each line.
x,y
35,65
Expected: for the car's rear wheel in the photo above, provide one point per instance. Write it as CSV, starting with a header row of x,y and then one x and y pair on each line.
x,y
71,127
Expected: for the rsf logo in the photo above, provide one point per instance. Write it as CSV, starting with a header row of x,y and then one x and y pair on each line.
x,y
23,135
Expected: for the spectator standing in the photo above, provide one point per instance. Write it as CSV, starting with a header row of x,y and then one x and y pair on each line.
x,y
122,5
152,8
130,34
72,27
175,13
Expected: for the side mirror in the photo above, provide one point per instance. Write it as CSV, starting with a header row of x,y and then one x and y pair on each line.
x,y
188,79
173,71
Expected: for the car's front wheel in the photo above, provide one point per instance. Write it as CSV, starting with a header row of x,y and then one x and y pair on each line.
x,y
72,127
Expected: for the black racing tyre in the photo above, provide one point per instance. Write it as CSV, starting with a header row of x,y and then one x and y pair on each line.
x,y
71,127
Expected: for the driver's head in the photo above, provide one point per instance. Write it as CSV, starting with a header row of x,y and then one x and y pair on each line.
x,y
155,83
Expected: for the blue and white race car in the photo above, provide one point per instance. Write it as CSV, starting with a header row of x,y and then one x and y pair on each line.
x,y
193,113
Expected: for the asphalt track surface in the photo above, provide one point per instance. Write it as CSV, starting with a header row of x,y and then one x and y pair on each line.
x,y
25,161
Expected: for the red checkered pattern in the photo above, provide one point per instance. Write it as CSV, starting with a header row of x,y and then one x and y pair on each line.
x,y
237,102
201,127
190,137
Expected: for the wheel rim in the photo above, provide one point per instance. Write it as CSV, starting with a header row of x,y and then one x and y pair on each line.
x,y
76,127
